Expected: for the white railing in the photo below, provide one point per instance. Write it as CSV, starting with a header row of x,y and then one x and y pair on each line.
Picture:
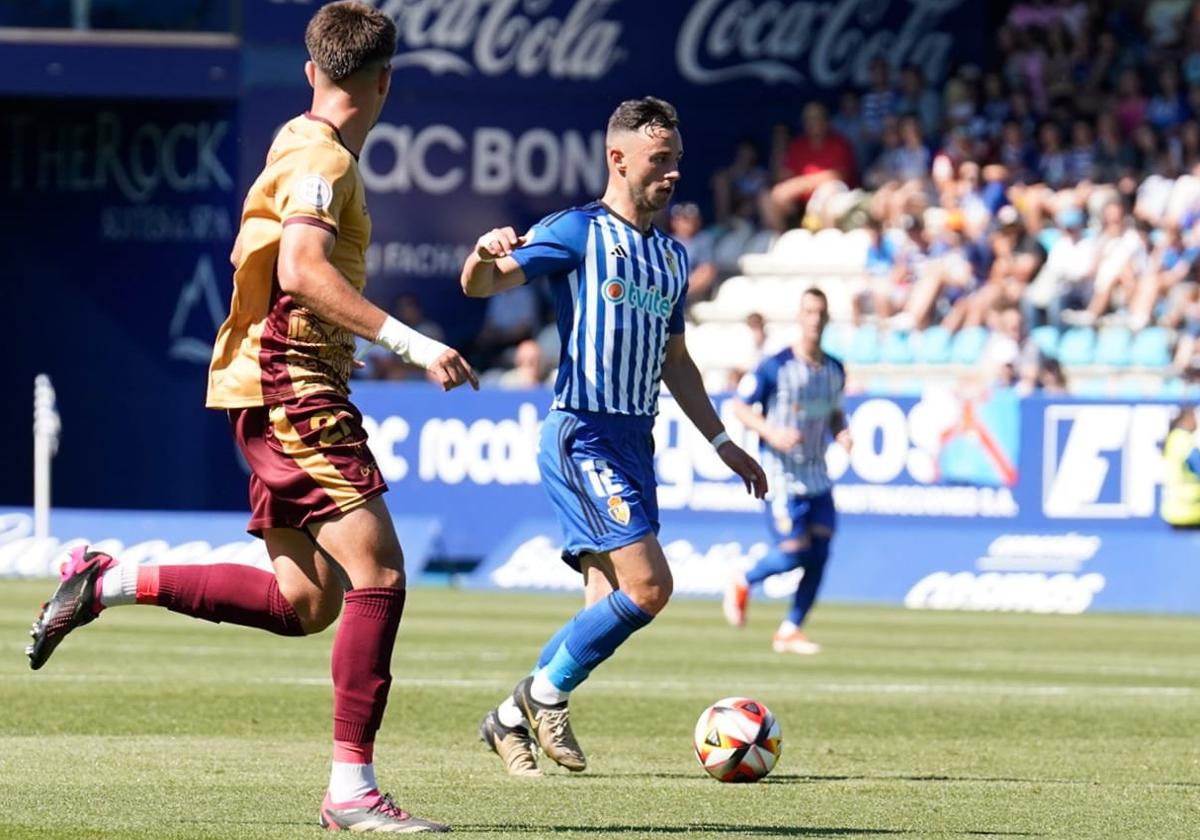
x,y
46,427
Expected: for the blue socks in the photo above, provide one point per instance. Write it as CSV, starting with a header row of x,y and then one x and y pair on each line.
x,y
814,568
777,562
590,638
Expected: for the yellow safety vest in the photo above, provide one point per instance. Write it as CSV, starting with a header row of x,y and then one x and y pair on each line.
x,y
1181,487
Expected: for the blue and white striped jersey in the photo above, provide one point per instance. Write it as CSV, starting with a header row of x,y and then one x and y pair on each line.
x,y
619,296
795,394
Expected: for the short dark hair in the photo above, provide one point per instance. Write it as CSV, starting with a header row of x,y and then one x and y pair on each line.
x,y
633,114
344,37
817,293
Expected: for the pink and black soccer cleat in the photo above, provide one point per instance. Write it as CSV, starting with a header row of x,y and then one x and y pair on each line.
x,y
374,813
72,605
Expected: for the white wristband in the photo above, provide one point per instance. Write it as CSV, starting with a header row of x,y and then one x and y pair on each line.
x,y
720,440
409,344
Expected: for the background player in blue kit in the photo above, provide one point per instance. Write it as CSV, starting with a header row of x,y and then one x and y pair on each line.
x,y
799,391
619,287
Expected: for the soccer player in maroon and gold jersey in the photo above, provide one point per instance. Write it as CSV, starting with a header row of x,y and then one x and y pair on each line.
x,y
280,368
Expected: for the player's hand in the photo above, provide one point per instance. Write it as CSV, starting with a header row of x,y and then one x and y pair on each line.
x,y
845,440
451,370
746,468
496,243
784,438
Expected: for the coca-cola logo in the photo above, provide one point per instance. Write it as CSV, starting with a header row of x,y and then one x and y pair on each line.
x,y
814,41
497,37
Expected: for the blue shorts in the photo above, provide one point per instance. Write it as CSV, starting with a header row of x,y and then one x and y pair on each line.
x,y
791,517
598,470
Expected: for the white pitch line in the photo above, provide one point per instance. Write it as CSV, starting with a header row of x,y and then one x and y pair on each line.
x,y
610,686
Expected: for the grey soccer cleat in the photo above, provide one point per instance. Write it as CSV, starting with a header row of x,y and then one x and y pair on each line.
x,y
512,743
551,725
374,813
72,605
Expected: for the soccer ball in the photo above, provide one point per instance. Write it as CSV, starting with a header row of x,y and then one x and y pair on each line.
x,y
737,740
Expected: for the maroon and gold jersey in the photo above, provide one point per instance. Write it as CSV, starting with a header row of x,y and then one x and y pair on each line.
x,y
270,349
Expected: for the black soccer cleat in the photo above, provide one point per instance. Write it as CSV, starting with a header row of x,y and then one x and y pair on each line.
x,y
72,605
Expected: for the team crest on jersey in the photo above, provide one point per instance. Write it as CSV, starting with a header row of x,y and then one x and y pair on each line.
x,y
315,191
618,509
614,289
671,263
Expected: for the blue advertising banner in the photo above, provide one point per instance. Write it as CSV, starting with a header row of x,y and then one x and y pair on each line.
x,y
165,538
119,219
944,458
498,108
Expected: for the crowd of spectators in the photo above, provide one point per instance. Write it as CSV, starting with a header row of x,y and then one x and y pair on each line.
x,y
1059,185
1062,181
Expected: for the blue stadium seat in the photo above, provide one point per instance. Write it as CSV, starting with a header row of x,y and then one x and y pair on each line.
x,y
1113,347
1134,389
1172,388
1077,347
1092,387
932,346
836,340
1152,347
864,346
896,349
1046,339
967,346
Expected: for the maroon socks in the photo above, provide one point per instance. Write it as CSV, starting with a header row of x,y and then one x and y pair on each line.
x,y
362,657
221,592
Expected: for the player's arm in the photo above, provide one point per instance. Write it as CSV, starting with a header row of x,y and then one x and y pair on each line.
x,y
306,273
683,379
753,391
840,429
504,260
492,269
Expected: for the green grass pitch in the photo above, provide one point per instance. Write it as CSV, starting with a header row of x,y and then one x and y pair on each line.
x,y
152,726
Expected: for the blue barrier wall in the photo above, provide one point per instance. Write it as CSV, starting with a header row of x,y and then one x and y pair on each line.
x,y
945,502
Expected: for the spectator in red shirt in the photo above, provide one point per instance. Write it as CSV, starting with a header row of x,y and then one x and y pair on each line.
x,y
816,158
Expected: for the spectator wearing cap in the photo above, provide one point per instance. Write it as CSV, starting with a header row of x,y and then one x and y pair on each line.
x,y
1065,278
686,227
818,157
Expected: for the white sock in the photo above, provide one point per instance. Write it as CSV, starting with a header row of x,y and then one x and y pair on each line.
x,y
545,691
348,782
787,628
509,713
118,586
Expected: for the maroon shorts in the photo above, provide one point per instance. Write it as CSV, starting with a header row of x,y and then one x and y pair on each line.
x,y
308,460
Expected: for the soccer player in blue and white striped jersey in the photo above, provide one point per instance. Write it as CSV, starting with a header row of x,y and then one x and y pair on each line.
x,y
619,287
794,402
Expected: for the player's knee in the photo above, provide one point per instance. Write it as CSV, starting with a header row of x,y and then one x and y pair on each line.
x,y
652,595
317,611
